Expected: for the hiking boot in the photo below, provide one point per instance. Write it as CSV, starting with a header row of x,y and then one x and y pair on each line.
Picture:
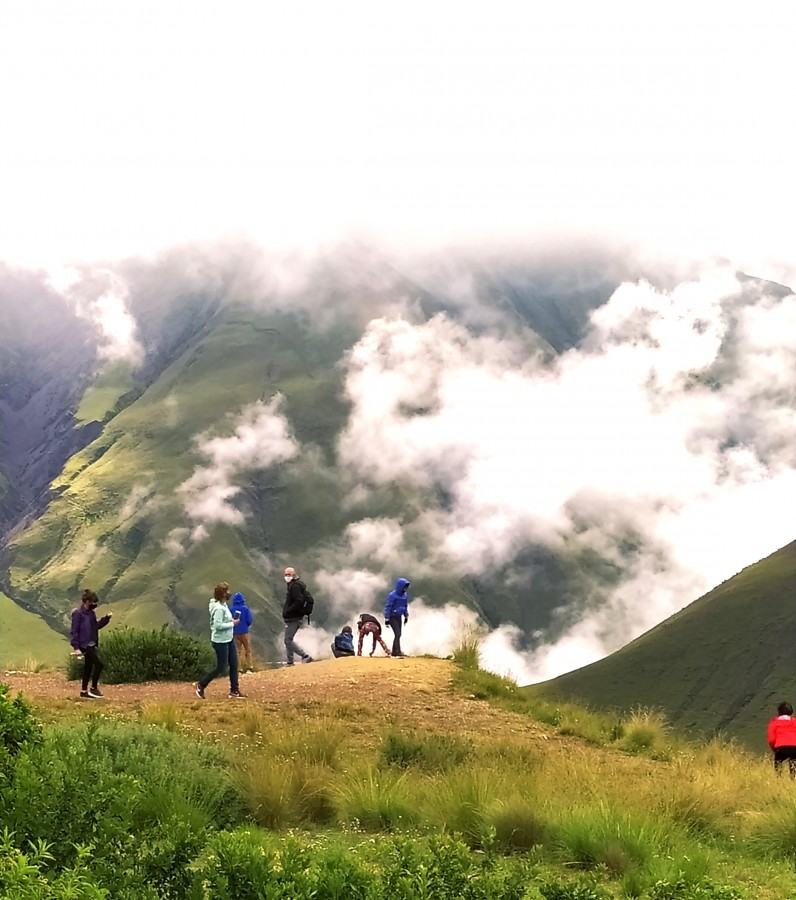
x,y
199,690
236,695
84,695
94,692
306,659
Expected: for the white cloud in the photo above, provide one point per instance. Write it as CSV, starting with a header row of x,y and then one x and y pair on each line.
x,y
100,297
671,423
261,437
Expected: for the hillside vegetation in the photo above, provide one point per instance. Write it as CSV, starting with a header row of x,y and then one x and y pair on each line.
x,y
415,778
720,665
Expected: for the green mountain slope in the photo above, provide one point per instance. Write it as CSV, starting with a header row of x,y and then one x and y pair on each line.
x,y
720,665
116,504
26,641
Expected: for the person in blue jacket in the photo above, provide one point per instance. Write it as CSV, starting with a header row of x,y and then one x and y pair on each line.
x,y
343,644
396,613
241,631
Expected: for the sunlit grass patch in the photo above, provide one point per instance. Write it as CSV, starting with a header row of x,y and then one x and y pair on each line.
x,y
646,731
430,752
165,713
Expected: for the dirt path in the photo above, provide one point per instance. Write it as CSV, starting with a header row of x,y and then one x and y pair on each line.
x,y
417,691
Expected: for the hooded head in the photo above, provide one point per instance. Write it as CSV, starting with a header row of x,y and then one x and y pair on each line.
x,y
238,599
401,585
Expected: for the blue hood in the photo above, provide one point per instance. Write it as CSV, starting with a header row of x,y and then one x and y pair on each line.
x,y
238,599
401,585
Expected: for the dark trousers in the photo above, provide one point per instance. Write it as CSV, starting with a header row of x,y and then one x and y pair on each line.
x,y
337,652
92,667
785,753
396,623
226,655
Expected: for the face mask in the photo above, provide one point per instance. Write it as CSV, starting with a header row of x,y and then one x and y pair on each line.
x,y
92,606
288,578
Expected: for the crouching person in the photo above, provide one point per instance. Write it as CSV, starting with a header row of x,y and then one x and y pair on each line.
x,y
369,624
343,644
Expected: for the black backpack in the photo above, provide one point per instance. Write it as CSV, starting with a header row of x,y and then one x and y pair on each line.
x,y
309,603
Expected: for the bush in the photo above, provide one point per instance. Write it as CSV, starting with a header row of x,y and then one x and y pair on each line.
x,y
18,730
444,869
143,799
135,655
683,890
22,876
246,865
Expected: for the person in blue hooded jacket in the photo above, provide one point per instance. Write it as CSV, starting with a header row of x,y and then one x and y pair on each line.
x,y
241,631
396,612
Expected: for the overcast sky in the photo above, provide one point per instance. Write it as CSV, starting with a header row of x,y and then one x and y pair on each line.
x,y
129,126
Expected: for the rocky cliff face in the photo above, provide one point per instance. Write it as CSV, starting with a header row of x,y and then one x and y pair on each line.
x,y
47,356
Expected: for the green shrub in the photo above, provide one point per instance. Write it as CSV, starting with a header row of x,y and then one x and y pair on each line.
x,y
18,730
442,868
684,890
432,753
248,866
144,799
22,876
573,890
136,655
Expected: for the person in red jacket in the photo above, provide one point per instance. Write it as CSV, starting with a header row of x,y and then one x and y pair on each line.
x,y
782,738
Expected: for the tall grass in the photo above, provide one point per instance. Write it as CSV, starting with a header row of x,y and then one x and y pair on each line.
x,y
377,800
430,753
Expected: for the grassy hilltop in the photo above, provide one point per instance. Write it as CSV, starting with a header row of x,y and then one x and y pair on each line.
x,y
417,778
720,665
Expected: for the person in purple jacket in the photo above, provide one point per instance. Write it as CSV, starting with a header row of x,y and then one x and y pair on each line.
x,y
84,638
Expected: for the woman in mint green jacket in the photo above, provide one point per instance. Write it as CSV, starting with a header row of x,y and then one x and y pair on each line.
x,y
221,627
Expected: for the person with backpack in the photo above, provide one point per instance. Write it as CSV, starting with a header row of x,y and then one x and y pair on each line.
x,y
396,609
84,638
299,602
240,632
343,644
782,738
369,624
